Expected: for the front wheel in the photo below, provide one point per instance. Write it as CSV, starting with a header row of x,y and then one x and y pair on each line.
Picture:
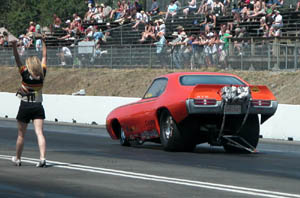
x,y
123,140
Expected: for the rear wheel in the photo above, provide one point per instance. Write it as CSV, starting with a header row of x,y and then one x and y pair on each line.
x,y
123,140
170,136
249,132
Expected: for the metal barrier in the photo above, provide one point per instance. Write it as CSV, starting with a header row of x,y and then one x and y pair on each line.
x,y
242,56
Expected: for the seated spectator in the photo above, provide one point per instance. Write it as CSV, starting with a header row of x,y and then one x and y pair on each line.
x,y
99,14
277,24
138,7
154,10
56,23
218,8
141,17
172,10
192,8
297,6
117,13
275,3
205,7
149,32
259,9
209,22
92,10
106,11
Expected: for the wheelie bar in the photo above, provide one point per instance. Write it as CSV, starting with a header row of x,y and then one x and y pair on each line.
x,y
230,141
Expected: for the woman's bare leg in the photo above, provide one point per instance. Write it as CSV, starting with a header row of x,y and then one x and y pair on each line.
x,y
38,127
22,127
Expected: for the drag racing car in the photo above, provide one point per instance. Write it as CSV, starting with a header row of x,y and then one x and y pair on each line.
x,y
181,110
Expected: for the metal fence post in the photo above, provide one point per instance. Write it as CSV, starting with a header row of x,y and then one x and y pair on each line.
x,y
111,56
130,51
295,56
286,57
277,54
150,65
242,62
171,59
121,34
269,57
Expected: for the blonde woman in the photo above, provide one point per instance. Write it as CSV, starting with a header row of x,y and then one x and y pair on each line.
x,y
33,74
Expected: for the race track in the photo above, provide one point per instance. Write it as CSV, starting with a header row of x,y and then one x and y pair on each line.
x,y
85,162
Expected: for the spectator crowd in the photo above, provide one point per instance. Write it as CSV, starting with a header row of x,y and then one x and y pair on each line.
x,y
209,45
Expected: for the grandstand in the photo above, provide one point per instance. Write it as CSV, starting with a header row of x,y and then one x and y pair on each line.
x,y
123,48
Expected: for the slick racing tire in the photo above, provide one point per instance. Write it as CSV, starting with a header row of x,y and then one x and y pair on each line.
x,y
123,140
249,132
170,136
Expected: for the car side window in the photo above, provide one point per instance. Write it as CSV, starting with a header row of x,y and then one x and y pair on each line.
x,y
157,88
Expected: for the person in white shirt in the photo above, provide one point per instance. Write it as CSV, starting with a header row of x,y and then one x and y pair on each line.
x,y
141,17
277,24
191,8
65,56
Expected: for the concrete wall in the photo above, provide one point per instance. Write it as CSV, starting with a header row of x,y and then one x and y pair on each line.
x,y
87,109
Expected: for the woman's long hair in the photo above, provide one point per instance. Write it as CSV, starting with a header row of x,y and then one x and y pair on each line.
x,y
35,68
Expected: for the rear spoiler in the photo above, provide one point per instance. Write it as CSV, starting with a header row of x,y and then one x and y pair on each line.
x,y
261,92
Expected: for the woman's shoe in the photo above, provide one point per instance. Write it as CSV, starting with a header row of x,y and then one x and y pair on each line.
x,y
15,161
41,164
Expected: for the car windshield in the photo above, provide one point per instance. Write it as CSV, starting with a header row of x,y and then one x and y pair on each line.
x,y
191,80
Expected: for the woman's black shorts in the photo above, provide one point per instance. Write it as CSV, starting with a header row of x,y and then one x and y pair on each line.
x,y
30,111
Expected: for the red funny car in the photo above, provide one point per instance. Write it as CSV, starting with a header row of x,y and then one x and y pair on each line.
x,y
180,110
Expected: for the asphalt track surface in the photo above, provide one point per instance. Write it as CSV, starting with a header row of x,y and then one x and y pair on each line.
x,y
85,162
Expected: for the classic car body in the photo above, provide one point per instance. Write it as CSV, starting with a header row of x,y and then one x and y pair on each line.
x,y
180,110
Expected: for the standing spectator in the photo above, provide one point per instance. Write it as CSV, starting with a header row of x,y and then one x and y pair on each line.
x,y
161,26
154,10
4,39
65,56
31,108
172,10
38,47
224,40
160,47
192,8
31,28
175,50
1,40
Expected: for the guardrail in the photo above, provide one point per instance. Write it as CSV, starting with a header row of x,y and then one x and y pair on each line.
x,y
241,54
94,109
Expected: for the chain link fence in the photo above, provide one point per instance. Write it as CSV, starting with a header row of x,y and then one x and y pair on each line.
x,y
241,56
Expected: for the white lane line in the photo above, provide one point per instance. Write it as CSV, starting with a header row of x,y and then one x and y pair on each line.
x,y
199,184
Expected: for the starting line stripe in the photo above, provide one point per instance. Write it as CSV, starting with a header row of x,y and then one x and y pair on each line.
x,y
141,176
